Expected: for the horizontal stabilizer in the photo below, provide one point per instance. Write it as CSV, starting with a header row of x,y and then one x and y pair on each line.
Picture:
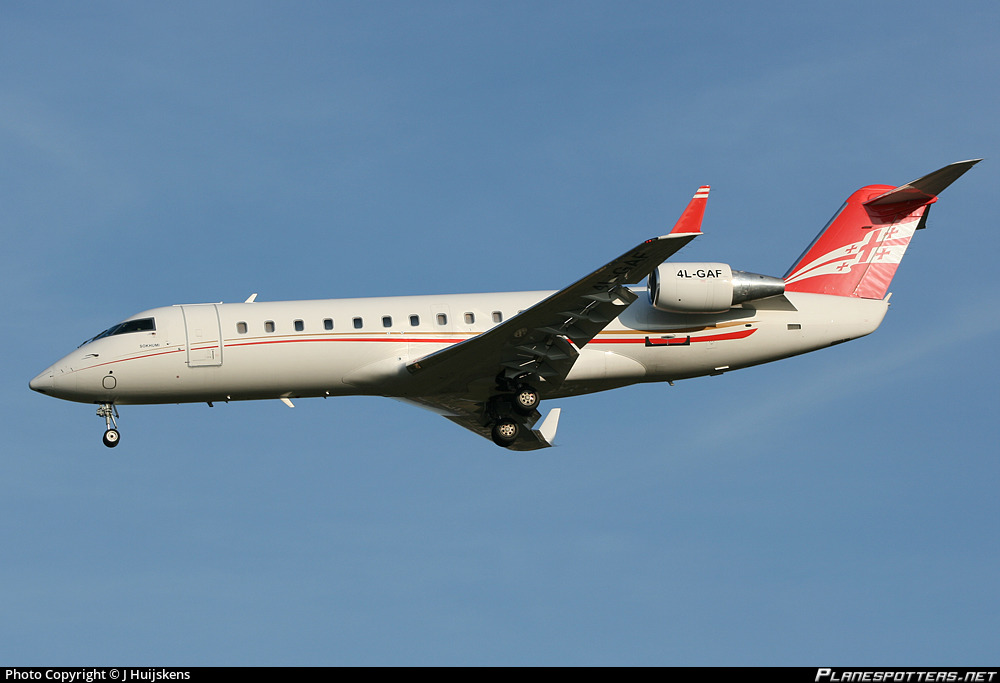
x,y
922,191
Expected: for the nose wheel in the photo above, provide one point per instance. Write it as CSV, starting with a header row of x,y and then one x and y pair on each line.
x,y
109,412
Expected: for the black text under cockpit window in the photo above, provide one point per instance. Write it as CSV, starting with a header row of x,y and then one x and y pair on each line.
x,y
141,325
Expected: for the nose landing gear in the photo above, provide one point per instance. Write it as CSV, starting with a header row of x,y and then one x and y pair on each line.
x,y
109,412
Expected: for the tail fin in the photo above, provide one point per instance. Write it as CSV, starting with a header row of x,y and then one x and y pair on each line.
x,y
858,251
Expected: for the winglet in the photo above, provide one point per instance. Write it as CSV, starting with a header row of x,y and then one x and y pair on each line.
x,y
547,430
690,220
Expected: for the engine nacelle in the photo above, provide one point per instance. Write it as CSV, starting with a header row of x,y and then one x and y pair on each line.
x,y
707,287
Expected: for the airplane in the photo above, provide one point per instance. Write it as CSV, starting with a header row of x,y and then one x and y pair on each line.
x,y
486,361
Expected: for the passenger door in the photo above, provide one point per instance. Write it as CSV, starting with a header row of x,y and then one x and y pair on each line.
x,y
203,335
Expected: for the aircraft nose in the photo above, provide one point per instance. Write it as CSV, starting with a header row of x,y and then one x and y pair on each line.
x,y
42,383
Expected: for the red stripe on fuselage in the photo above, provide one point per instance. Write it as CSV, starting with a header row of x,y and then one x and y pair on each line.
x,y
742,334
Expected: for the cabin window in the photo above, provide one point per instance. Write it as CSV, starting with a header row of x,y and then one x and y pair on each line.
x,y
328,323
269,326
470,318
414,320
299,326
442,319
241,327
497,317
794,326
386,321
358,323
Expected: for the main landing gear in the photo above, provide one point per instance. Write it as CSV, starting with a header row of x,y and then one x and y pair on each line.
x,y
526,399
505,432
506,427
109,412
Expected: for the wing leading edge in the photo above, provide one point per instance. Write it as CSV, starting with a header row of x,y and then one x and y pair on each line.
x,y
543,342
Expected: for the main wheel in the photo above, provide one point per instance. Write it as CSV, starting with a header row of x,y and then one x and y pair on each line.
x,y
525,399
505,432
111,438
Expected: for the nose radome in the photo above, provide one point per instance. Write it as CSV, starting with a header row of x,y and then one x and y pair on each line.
x,y
42,382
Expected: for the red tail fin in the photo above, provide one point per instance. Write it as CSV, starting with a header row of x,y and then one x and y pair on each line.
x,y
858,251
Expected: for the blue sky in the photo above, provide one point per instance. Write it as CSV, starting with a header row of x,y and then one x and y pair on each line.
x,y
838,507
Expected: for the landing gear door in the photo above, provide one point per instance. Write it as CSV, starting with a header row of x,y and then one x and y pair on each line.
x,y
203,335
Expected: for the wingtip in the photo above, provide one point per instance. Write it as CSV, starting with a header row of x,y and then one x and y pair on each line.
x,y
690,221
674,234
547,430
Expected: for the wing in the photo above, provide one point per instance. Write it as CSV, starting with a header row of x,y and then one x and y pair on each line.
x,y
469,414
543,341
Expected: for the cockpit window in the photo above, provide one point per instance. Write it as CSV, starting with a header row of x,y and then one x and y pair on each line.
x,y
141,325
144,325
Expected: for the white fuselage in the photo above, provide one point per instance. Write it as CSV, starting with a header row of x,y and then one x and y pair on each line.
x,y
335,347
